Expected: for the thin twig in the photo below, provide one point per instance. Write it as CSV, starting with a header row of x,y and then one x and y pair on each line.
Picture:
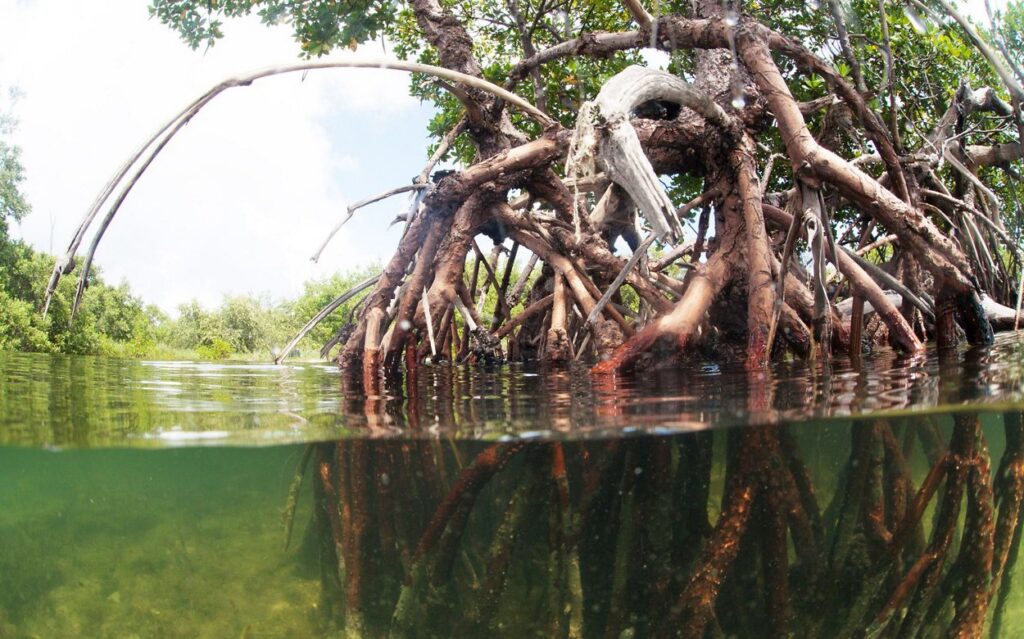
x,y
430,324
880,242
619,279
350,211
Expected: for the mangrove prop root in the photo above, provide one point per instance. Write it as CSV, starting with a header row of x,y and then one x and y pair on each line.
x,y
802,478
695,608
874,495
355,525
976,550
615,537
465,489
963,443
1009,499
567,548
899,484
775,563
293,494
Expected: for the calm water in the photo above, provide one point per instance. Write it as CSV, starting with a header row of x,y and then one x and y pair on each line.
x,y
146,499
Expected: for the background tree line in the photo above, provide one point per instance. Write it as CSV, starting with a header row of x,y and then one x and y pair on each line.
x,y
113,321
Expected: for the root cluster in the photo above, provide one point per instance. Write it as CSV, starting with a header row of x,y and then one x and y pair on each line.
x,y
735,533
928,257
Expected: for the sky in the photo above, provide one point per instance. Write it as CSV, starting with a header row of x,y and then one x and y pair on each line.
x,y
241,198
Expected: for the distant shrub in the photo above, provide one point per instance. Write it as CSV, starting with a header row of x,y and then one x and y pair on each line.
x,y
215,349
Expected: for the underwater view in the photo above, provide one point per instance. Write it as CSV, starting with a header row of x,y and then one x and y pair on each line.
x,y
145,499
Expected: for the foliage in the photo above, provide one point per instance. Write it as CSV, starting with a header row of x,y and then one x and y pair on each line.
x,y
241,324
21,327
1010,31
113,321
247,326
109,315
216,349
320,25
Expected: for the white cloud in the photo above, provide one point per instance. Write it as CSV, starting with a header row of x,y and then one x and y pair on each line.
x,y
239,199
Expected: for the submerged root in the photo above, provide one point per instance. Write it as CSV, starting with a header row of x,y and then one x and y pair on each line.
x,y
610,537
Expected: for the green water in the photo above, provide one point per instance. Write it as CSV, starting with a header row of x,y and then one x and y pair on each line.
x,y
152,500
169,543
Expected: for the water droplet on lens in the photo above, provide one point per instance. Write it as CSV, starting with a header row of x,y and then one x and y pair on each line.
x,y
919,22
732,19
405,325
739,101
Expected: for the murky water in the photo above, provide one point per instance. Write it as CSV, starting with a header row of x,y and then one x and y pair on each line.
x,y
200,500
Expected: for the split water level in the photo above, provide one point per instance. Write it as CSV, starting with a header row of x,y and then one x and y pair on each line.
x,y
175,499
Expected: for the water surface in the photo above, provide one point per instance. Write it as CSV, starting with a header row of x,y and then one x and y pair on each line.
x,y
68,401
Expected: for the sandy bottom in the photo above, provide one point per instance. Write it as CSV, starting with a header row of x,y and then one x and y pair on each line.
x,y
174,543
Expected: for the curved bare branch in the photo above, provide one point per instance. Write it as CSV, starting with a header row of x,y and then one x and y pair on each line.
x,y
184,116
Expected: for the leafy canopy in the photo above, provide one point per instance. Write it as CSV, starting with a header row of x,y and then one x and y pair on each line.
x,y
930,55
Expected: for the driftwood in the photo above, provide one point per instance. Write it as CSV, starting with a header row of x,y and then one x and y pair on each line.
x,y
619,151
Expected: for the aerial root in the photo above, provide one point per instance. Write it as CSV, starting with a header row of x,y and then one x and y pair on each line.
x,y
775,563
147,152
863,286
962,448
448,213
437,547
976,549
353,471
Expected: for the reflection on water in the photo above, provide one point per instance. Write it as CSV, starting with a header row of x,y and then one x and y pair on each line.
x,y
482,503
79,401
